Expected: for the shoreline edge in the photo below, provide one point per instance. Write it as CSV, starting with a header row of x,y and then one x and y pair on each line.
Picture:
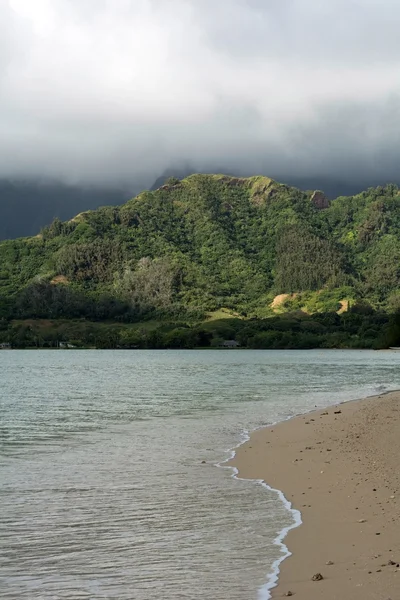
x,y
264,464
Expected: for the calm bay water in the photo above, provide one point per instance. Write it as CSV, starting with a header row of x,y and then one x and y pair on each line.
x,y
103,491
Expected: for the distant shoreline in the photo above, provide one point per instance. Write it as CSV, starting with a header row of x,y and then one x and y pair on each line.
x,y
339,468
208,349
201,349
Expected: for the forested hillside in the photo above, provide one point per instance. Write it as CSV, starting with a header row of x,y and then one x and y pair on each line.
x,y
205,243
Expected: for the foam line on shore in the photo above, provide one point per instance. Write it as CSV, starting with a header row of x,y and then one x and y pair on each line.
x,y
273,576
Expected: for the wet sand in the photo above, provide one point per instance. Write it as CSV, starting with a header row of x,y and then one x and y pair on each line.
x,y
340,467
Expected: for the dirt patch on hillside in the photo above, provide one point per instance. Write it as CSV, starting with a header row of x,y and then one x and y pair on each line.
x,y
344,307
59,279
281,299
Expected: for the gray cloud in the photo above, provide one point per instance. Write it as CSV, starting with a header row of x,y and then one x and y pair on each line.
x,y
116,90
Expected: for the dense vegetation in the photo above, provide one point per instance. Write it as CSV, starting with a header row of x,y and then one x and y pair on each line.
x,y
212,242
361,327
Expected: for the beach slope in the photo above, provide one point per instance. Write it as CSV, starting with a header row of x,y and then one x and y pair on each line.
x,y
340,467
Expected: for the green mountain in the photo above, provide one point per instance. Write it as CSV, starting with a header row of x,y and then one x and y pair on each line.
x,y
250,246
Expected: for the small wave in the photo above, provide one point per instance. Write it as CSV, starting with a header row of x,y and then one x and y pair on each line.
x,y
381,388
272,578
273,575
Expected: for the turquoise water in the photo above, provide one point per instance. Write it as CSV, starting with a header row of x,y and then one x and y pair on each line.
x,y
103,490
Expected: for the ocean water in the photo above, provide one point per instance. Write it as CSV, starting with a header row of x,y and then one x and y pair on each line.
x,y
103,489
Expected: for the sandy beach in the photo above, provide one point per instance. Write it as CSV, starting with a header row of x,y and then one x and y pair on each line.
x,y
340,467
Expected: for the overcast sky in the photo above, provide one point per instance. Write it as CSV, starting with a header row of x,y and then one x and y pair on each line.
x,y
115,90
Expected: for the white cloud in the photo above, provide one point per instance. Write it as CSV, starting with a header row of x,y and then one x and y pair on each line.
x,y
120,88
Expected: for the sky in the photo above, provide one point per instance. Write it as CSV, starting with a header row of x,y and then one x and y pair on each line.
x,y
120,90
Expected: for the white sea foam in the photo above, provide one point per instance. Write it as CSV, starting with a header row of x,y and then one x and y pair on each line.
x,y
273,575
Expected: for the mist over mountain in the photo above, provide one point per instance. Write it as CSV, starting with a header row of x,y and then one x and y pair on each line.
x,y
105,96
109,93
28,205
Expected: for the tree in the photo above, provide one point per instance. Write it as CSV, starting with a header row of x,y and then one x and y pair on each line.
x,y
306,262
151,284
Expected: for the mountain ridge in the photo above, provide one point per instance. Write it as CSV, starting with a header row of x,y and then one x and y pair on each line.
x,y
28,204
208,242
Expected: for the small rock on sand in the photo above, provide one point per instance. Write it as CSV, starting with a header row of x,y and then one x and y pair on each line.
x,y
317,577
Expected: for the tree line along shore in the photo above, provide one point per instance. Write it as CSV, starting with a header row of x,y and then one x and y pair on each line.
x,y
358,328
